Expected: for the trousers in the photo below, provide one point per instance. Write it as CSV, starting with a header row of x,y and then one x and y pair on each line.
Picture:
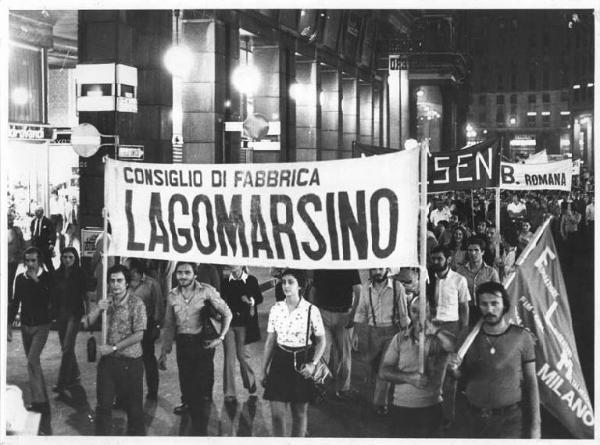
x,y
235,346
122,377
149,359
196,377
34,340
505,425
67,334
416,422
338,347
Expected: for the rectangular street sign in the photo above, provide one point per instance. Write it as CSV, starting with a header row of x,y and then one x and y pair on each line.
x,y
397,63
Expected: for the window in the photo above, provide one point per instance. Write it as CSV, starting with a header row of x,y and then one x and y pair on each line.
x,y
531,120
513,110
482,118
565,120
546,120
531,98
513,81
500,118
546,98
513,98
482,99
500,99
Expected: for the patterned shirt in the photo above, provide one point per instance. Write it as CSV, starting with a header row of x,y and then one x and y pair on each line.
x,y
290,327
377,308
475,277
125,318
184,315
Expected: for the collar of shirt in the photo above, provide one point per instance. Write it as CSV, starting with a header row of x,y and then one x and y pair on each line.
x,y
123,301
444,276
39,272
196,288
389,283
468,266
243,277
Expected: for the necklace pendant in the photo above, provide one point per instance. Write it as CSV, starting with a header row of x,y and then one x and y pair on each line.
x,y
492,350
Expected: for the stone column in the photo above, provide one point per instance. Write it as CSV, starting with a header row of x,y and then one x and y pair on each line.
x,y
366,113
205,89
350,114
307,118
125,37
331,117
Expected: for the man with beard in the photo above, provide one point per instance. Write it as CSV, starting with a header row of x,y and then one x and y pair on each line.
x,y
381,313
448,294
499,373
449,298
195,356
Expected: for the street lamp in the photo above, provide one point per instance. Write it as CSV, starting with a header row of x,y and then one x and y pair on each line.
x,y
178,59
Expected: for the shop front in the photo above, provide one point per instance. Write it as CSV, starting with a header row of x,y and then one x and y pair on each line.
x,y
42,170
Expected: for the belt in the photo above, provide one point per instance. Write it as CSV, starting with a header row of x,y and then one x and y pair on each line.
x,y
488,412
335,308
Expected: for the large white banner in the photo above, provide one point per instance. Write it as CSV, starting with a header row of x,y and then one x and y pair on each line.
x,y
549,176
354,213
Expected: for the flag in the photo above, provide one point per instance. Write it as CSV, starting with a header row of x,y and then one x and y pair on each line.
x,y
537,158
539,302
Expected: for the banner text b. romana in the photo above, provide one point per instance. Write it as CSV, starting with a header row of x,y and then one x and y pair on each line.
x,y
289,230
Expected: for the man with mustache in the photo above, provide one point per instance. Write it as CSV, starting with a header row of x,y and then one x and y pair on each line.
x,y
381,313
499,372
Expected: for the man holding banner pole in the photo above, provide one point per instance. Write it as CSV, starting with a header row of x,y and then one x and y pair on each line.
x,y
499,371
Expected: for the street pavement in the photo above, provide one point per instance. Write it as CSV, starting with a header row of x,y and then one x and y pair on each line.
x,y
73,413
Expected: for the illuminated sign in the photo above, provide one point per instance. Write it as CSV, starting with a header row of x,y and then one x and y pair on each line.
x,y
29,132
397,63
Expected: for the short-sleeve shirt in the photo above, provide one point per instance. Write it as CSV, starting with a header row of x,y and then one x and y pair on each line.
x,y
475,277
334,288
125,318
404,350
450,291
378,308
495,380
290,327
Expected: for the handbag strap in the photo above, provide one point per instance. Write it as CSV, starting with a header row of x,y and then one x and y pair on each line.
x,y
308,324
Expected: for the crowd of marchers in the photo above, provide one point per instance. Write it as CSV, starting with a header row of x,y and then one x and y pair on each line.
x,y
320,314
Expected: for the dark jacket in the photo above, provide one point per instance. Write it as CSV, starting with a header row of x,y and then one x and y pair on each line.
x,y
34,298
69,293
47,235
232,291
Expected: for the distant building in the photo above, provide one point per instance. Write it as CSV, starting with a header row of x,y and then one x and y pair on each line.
x,y
532,81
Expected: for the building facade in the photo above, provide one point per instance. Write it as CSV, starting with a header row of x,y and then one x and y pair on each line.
x,y
532,81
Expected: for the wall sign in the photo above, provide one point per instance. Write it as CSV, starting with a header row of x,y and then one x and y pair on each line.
x,y
29,132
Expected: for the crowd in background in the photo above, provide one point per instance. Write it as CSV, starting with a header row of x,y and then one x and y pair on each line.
x,y
467,248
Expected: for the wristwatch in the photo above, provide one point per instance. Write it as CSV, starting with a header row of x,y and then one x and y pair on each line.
x,y
221,337
114,348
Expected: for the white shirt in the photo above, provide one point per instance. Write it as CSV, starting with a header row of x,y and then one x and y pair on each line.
x,y
516,208
449,293
589,212
290,327
439,215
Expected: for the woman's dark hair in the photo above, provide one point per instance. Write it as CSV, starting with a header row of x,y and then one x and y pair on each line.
x,y
463,244
76,264
298,274
491,287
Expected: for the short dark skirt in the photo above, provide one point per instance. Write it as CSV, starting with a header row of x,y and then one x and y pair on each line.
x,y
284,383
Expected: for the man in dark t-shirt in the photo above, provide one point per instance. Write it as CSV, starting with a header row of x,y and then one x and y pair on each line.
x,y
336,294
499,373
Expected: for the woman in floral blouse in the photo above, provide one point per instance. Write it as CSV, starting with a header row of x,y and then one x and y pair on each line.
x,y
286,362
